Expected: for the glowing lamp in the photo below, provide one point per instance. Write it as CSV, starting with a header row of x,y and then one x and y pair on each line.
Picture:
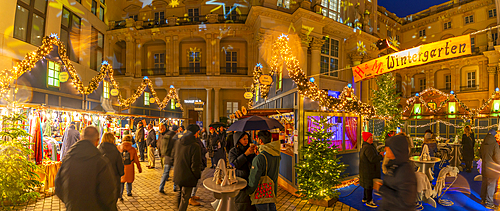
x,y
349,85
311,80
452,92
171,86
145,77
497,89
417,109
496,105
452,107
417,94
104,62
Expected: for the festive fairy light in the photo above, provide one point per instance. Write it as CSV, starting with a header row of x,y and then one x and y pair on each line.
x,y
9,76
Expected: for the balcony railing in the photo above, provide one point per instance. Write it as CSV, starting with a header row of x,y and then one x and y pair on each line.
x,y
469,88
180,21
119,71
233,70
192,70
154,71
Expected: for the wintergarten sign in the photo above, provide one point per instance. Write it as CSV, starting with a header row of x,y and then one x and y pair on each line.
x,y
444,49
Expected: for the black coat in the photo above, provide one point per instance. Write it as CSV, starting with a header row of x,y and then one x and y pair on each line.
x,y
151,140
369,165
229,141
242,163
490,153
468,143
139,134
168,144
399,191
109,151
203,153
187,161
85,180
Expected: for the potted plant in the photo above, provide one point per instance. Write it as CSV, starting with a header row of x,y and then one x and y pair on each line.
x,y
319,172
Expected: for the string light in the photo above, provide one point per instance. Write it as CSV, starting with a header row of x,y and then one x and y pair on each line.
x,y
450,124
9,76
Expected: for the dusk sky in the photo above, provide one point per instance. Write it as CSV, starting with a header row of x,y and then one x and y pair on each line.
x,y
402,8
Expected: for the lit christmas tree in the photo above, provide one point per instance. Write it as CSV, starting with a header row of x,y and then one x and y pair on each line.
x,y
385,101
319,172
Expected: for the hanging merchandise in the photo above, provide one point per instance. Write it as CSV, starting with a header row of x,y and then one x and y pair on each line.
x,y
37,139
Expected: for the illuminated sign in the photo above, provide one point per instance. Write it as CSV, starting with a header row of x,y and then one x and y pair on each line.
x,y
266,80
151,100
114,92
445,49
417,109
452,108
63,77
191,101
496,105
248,95
334,94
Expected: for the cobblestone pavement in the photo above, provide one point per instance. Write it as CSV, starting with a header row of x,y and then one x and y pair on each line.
x,y
145,196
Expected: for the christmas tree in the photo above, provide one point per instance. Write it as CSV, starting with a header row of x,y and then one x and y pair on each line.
x,y
385,101
319,172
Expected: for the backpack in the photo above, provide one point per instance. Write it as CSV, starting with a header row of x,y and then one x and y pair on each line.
x,y
126,158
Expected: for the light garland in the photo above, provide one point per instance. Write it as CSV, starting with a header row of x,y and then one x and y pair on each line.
x,y
9,76
450,124
347,101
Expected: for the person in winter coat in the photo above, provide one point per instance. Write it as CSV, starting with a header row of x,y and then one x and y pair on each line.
x,y
212,138
70,137
139,137
187,165
85,180
490,154
151,143
468,142
204,136
241,157
399,188
129,155
269,152
218,146
167,145
192,200
110,151
430,141
369,168
229,140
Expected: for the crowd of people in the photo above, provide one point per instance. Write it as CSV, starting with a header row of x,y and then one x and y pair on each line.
x,y
95,164
398,189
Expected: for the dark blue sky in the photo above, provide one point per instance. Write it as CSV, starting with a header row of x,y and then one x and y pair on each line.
x,y
402,8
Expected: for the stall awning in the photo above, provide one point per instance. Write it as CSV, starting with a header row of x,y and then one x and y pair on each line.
x,y
266,112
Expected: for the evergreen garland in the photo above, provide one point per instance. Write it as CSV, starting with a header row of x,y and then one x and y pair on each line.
x,y
385,101
319,172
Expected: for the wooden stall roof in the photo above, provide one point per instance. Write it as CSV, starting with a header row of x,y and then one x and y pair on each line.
x,y
266,112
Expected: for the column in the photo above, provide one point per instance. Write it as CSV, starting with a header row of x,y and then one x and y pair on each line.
x,y
208,107
356,60
176,54
316,45
216,58
408,85
305,40
429,78
138,59
491,79
169,56
130,52
216,105
209,64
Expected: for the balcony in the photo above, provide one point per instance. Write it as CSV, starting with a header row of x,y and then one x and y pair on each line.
x,y
233,70
154,71
192,70
179,21
119,71
469,88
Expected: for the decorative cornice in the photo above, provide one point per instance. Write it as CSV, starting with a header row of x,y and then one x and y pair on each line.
x,y
317,43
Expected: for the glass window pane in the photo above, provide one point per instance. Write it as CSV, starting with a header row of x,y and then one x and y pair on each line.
x,y
336,129
51,73
235,57
235,106
94,7
26,2
99,58
21,23
100,40
56,82
50,82
229,107
40,5
37,30
101,14
65,17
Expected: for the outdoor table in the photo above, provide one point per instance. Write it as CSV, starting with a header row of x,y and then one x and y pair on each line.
x,y
225,193
425,165
455,155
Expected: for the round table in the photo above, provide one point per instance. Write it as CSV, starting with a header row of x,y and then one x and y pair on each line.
x,y
225,193
425,165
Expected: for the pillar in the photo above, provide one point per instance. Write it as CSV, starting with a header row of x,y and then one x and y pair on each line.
x,y
130,51
305,40
356,59
209,107
175,43
209,63
316,45
491,79
169,56
138,58
216,58
216,105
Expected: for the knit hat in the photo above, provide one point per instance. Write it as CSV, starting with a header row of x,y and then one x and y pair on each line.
x,y
492,131
175,128
193,128
366,135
